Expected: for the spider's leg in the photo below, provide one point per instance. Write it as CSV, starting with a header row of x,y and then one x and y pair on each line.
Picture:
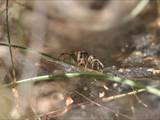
x,y
99,65
92,64
86,65
62,56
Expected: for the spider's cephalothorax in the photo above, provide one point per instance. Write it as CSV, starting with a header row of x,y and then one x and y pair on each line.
x,y
83,58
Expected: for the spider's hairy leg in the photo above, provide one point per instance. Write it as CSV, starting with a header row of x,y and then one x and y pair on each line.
x,y
86,65
98,64
62,55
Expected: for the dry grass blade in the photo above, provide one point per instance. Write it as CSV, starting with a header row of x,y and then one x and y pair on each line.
x,y
107,99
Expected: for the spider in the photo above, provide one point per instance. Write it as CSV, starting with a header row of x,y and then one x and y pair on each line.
x,y
83,58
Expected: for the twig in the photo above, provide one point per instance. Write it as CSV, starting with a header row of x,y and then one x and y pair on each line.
x,y
107,99
99,105
139,100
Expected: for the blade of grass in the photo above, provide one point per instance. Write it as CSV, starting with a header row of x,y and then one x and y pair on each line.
x,y
9,41
87,75
46,56
91,75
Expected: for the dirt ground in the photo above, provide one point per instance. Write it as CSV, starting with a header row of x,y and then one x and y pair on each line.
x,y
128,46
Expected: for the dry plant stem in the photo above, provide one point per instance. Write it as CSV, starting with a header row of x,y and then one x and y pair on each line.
x,y
107,99
139,100
99,105
35,113
10,48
